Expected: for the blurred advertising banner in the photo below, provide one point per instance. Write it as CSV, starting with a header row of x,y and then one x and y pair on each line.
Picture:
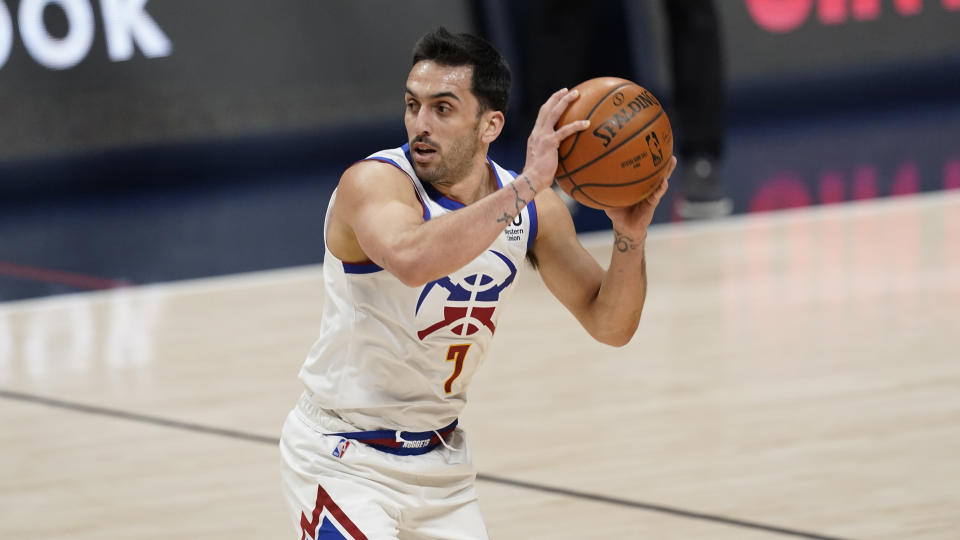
x,y
83,76
80,76
800,55
782,42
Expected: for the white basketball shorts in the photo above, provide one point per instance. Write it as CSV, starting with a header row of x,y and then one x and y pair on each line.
x,y
338,488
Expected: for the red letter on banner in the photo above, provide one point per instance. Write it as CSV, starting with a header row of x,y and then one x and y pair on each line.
x,y
779,16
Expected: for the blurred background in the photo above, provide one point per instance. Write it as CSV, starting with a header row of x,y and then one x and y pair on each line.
x,y
153,141
798,370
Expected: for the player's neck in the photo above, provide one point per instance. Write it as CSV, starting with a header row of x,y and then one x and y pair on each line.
x,y
479,182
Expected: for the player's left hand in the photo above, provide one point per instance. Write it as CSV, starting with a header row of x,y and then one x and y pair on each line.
x,y
635,219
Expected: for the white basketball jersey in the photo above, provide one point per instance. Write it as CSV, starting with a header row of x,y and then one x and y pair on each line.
x,y
391,356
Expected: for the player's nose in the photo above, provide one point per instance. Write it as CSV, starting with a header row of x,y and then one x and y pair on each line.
x,y
421,122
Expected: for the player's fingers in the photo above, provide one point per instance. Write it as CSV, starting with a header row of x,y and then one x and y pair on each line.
x,y
661,189
548,106
654,198
561,106
671,166
571,128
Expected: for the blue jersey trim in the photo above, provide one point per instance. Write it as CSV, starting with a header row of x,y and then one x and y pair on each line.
x,y
532,210
368,268
439,198
532,235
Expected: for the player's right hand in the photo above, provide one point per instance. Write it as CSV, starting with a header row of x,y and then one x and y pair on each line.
x,y
544,140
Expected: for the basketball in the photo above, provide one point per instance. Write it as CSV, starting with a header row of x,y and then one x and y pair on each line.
x,y
623,156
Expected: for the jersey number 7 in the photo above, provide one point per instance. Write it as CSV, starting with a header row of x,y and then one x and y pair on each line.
x,y
456,353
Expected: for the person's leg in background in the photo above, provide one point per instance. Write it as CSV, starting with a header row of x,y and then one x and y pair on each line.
x,y
698,90
563,43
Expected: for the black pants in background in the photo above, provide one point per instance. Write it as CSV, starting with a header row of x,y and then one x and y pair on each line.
x,y
562,43
698,82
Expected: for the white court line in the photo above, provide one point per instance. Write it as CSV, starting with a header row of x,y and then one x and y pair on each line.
x,y
313,272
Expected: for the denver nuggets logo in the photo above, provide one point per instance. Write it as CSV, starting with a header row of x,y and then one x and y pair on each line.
x,y
470,302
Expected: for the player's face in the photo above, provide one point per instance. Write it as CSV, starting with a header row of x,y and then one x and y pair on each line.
x,y
442,121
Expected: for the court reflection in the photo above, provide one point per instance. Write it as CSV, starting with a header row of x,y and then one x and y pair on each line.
x,y
110,332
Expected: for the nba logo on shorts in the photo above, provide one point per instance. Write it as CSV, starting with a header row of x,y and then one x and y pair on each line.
x,y
341,448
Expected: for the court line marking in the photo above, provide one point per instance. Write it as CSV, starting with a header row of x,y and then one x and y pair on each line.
x,y
136,417
252,437
59,277
654,508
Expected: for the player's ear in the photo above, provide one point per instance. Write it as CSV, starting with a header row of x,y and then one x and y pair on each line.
x,y
491,124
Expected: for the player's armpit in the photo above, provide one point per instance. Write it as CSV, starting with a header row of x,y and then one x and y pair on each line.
x,y
568,270
376,208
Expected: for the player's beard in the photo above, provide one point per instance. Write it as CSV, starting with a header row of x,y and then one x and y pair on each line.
x,y
455,163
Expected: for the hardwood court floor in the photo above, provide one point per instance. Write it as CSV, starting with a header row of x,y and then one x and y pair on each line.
x,y
796,375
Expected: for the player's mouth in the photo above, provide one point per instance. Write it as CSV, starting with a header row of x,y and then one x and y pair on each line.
x,y
423,153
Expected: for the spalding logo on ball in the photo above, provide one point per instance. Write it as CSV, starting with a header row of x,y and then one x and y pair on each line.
x,y
623,156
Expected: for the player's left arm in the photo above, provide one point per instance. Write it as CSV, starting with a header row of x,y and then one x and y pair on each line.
x,y
608,303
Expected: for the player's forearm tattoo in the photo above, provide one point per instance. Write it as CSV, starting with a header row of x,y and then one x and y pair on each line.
x,y
624,243
518,202
529,183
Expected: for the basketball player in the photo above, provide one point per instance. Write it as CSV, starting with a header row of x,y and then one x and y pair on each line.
x,y
423,246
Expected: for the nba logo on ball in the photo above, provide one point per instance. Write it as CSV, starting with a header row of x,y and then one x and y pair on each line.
x,y
341,448
625,154
653,143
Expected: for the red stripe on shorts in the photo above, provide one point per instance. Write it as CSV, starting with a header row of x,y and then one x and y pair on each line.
x,y
324,501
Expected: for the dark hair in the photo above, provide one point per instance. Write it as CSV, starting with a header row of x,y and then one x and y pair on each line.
x,y
491,73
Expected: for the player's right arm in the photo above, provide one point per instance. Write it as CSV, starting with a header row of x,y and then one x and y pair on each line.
x,y
377,217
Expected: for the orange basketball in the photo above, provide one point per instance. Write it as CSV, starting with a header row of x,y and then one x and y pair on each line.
x,y
623,156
